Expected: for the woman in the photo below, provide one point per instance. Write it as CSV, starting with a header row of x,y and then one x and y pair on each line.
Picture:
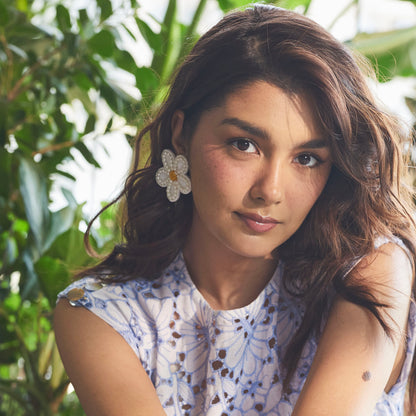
x,y
276,276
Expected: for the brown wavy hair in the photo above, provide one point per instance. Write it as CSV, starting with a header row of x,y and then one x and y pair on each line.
x,y
363,198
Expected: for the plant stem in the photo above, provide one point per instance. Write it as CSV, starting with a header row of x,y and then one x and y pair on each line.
x,y
307,8
9,64
341,13
53,147
16,91
192,28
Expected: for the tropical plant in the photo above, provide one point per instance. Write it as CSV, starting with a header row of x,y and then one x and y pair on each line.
x,y
53,55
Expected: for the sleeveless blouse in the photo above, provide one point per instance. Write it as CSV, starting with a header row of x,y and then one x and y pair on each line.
x,y
210,362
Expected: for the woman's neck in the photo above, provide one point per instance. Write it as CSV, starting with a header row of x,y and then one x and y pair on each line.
x,y
225,279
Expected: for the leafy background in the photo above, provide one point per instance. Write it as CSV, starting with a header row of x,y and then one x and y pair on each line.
x,y
52,56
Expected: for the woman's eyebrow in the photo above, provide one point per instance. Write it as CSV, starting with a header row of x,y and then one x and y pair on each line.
x,y
313,144
249,128
259,132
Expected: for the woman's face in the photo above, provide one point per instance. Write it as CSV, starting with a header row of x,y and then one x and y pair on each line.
x,y
258,163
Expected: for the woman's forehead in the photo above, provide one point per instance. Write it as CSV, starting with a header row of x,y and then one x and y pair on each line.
x,y
263,111
262,100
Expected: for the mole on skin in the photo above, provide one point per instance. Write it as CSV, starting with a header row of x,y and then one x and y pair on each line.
x,y
366,376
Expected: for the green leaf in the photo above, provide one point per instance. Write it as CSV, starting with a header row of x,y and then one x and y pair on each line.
x,y
53,276
117,100
227,5
11,251
60,222
83,19
45,355
109,125
69,247
4,106
398,63
66,174
71,44
190,35
293,4
90,124
173,50
106,9
34,193
382,42
20,226
29,286
103,43
63,18
83,16
72,202
9,351
82,95
81,79
13,302
22,5
411,1
109,231
169,21
88,156
146,80
4,14
126,28
18,51
172,35
392,53
124,61
20,35
154,40
6,184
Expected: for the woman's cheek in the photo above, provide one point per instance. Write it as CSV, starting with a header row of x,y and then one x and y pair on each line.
x,y
305,192
219,171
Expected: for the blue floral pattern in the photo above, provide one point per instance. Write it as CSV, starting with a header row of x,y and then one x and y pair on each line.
x,y
214,363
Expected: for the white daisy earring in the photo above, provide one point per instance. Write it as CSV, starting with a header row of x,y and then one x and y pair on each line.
x,y
172,175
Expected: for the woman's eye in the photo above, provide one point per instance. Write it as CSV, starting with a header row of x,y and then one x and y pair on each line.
x,y
308,160
244,145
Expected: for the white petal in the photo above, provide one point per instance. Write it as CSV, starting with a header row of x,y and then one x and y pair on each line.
x,y
162,177
181,164
172,191
184,184
168,158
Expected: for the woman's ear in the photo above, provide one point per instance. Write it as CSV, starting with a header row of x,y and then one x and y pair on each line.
x,y
178,140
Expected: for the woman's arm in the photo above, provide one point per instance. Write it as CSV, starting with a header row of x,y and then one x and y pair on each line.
x,y
106,373
355,360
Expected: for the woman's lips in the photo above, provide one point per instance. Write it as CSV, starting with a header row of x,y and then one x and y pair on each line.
x,y
257,223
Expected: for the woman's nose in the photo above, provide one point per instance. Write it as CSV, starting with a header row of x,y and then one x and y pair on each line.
x,y
269,184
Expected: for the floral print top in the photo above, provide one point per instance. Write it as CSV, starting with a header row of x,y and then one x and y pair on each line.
x,y
209,362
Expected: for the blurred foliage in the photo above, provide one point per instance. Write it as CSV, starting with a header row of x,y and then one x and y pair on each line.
x,y
53,54
392,53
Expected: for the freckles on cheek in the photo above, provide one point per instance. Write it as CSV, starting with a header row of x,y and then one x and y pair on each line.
x,y
218,171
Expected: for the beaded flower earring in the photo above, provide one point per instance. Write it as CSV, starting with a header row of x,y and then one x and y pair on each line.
x,y
172,175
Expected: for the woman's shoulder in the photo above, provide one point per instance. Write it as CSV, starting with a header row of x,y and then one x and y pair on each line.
x,y
136,300
92,290
388,269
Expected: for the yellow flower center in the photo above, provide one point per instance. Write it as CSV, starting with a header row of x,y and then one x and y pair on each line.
x,y
173,176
